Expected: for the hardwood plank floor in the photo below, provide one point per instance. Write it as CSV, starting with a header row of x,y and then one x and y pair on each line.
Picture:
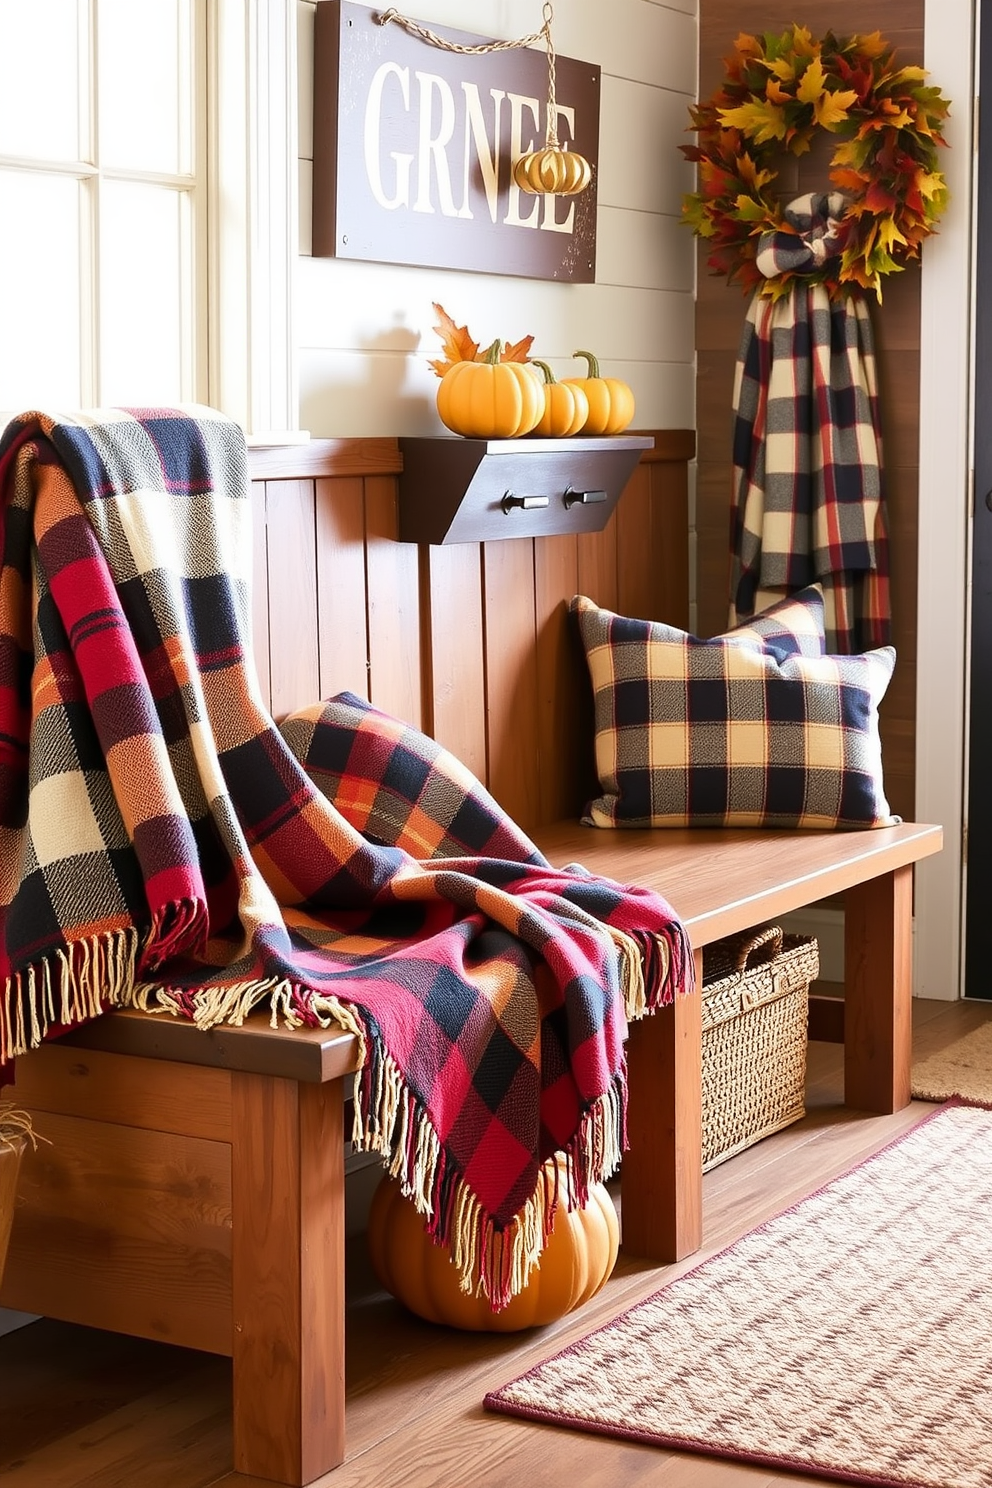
x,y
85,1409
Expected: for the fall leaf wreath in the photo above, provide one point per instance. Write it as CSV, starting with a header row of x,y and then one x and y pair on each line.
x,y
886,190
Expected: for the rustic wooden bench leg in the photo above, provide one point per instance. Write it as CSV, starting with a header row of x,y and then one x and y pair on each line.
x,y
878,1030
661,1187
288,1277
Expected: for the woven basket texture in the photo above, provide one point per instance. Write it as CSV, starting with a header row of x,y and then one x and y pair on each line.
x,y
755,1010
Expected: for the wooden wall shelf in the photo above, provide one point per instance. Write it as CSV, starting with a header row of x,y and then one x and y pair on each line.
x,y
455,490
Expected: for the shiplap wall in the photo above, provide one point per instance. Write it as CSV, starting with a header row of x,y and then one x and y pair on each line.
x,y
364,330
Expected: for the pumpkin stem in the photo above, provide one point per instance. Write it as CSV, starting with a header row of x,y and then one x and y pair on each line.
x,y
491,355
593,362
549,376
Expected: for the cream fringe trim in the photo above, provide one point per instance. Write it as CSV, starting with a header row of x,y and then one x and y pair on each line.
x,y
633,987
67,989
495,1263
211,1006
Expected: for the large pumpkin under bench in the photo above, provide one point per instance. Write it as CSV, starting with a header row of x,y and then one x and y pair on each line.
x,y
193,1191
576,1263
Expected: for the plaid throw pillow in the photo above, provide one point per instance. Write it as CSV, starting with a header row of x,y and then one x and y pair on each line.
x,y
696,732
794,626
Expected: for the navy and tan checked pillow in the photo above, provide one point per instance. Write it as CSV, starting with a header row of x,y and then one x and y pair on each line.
x,y
739,730
794,626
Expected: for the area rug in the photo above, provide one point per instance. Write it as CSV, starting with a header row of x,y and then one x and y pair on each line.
x,y
963,1069
849,1338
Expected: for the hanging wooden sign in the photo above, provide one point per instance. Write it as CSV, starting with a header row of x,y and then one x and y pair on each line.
x,y
414,145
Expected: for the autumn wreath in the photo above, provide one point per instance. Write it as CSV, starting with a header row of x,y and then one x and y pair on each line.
x,y
885,185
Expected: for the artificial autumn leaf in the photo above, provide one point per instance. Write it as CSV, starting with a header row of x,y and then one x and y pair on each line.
x,y
760,121
831,109
783,70
889,234
749,210
894,116
748,172
872,46
458,344
812,83
775,93
518,352
847,180
931,185
747,45
909,75
879,200
933,102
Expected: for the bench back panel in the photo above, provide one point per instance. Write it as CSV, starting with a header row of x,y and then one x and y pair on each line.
x,y
470,642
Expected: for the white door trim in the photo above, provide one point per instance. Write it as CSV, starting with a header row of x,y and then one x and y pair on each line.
x,y
945,514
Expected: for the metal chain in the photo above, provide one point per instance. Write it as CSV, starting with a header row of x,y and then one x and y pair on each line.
x,y
432,38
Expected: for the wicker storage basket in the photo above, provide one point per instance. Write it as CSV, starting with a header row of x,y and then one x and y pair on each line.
x,y
755,1006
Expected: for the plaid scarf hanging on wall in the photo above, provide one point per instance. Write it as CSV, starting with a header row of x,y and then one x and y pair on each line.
x,y
808,504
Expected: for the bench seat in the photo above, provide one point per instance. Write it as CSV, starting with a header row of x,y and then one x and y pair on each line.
x,y
194,1188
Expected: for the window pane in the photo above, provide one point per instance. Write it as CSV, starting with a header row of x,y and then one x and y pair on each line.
x,y
144,254
39,292
39,79
144,115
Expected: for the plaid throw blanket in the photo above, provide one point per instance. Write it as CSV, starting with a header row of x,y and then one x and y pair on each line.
x,y
807,501
164,847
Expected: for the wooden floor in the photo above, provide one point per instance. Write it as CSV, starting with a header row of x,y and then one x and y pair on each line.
x,y
82,1409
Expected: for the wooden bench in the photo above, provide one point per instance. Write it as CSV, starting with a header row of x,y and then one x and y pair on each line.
x,y
193,1190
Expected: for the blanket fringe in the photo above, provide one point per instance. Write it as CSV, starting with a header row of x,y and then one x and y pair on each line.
x,y
494,1262
210,1006
659,968
72,986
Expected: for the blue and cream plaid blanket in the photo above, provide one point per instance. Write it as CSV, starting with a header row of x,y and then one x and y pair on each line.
x,y
808,502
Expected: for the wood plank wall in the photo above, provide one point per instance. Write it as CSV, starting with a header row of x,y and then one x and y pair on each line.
x,y
719,319
470,642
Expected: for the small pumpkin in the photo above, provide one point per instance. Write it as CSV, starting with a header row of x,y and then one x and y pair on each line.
x,y
575,1264
552,172
490,399
566,406
611,401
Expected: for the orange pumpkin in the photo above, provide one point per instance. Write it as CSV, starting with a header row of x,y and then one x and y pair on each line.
x,y
576,1262
611,402
566,406
490,399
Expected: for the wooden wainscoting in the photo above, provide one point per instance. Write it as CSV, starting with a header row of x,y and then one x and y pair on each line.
x,y
465,641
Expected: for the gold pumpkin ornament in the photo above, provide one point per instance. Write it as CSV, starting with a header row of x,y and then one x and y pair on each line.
x,y
611,401
490,399
575,1264
552,171
566,406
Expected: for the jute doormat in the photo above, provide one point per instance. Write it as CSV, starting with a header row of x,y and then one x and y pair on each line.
x,y
850,1337
964,1069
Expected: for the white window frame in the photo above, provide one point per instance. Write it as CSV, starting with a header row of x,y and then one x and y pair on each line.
x,y
254,216
240,355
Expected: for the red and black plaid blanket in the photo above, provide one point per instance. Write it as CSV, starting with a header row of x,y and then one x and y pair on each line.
x,y
165,846
808,503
